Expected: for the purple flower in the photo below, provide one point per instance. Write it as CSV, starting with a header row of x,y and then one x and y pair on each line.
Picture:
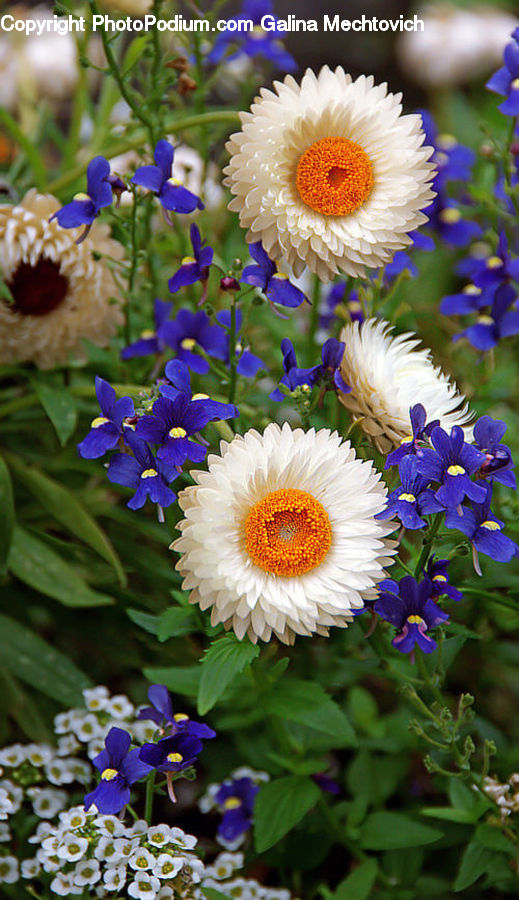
x,y
409,607
248,364
500,322
255,43
172,195
172,425
150,341
448,220
412,499
236,800
498,268
420,431
119,770
327,373
452,462
189,330
506,80
498,463
161,712
483,529
453,161
84,208
106,429
471,299
172,754
402,261
439,577
275,285
178,375
144,473
193,268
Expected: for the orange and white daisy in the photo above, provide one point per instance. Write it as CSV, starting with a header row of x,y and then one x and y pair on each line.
x,y
280,535
328,174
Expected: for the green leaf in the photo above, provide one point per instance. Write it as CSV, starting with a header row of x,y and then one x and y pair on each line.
x,y
448,814
279,806
225,659
493,838
144,620
211,894
60,406
174,621
7,514
67,510
183,680
474,863
357,886
308,703
30,658
395,831
134,53
36,564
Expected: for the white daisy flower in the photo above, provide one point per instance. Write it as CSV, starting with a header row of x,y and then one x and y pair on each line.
x,y
388,376
328,174
280,534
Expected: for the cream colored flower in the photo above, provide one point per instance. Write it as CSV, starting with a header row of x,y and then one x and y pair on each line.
x,y
61,293
280,536
131,7
388,376
456,44
328,174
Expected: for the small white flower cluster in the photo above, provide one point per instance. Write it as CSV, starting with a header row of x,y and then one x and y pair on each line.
x,y
85,849
207,801
505,795
220,877
103,711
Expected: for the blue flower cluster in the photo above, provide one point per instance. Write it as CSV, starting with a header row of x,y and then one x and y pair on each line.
x,y
257,43
326,374
491,294
121,767
173,428
84,208
506,80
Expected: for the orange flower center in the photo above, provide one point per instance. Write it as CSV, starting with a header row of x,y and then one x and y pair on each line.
x,y
334,176
288,532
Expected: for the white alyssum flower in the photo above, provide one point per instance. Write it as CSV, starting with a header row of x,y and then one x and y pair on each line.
x,y
39,754
9,870
87,872
46,802
107,850
58,771
456,44
110,825
13,756
114,878
67,745
144,886
159,835
71,847
63,885
87,727
181,839
280,536
167,866
141,860
120,707
388,375
224,865
14,794
96,698
328,174
30,868
73,818
6,805
5,832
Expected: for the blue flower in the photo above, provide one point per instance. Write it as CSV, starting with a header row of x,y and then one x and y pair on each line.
x,y
409,607
498,268
483,530
452,462
410,445
439,577
150,341
335,296
471,299
448,220
144,473
275,285
412,499
172,754
402,261
506,80
327,373
84,208
189,330
172,425
248,364
171,193
193,268
106,429
161,712
236,800
178,375
500,322
119,770
498,463
255,43
453,161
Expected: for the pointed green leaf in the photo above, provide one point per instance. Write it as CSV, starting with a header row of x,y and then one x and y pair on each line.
x,y
358,885
395,831
30,658
279,806
175,621
67,510
36,564
474,864
6,514
308,703
183,680
144,620
225,659
60,406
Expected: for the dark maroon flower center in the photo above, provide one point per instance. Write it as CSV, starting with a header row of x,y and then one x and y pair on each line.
x,y
39,289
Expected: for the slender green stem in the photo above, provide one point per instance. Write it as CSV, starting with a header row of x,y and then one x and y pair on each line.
x,y
233,359
134,261
428,544
150,787
33,157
